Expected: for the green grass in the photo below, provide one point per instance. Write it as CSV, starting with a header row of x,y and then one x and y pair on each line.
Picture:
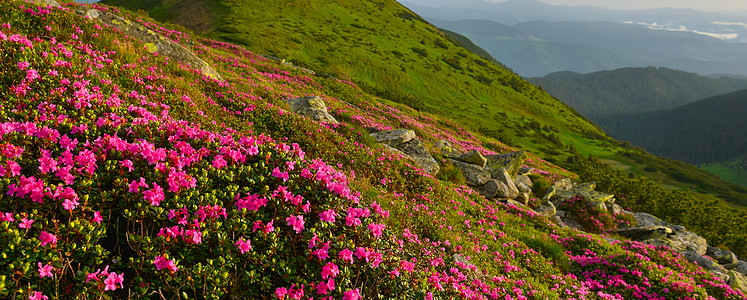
x,y
730,171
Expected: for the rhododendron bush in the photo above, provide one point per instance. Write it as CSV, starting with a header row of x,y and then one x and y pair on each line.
x,y
127,174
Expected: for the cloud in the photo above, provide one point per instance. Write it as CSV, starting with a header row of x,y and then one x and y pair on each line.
x,y
730,24
669,26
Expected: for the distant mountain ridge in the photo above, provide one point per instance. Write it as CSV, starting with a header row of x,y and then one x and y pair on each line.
x,y
534,38
633,90
705,131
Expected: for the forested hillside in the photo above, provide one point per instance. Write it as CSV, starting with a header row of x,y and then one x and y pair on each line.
x,y
632,90
706,131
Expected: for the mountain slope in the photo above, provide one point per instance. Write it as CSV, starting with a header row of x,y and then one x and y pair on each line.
x,y
705,131
414,63
127,173
633,90
417,65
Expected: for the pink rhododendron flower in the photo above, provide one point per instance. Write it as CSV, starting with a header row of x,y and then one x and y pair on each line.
x,y
37,296
352,295
323,286
127,164
154,195
110,283
23,65
376,229
45,270
26,223
296,222
32,75
163,263
192,236
281,292
244,245
14,167
282,175
6,217
323,252
97,217
328,215
330,269
47,238
346,255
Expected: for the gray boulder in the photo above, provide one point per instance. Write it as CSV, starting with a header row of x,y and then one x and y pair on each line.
x,y
721,256
547,210
738,281
740,266
395,137
473,174
468,269
473,157
525,180
645,233
446,149
512,162
524,170
312,107
563,184
494,189
417,151
502,175
704,262
680,240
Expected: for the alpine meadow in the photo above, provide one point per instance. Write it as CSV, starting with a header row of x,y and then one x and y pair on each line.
x,y
218,149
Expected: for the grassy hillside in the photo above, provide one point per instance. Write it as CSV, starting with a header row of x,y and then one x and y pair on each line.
x,y
413,64
392,53
128,174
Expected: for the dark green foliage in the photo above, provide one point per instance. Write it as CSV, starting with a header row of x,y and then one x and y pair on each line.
x,y
632,90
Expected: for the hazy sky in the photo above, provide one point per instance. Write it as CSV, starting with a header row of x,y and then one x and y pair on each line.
x,y
705,5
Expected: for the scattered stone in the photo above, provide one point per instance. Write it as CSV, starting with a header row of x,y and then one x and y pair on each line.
x,y
525,171
47,3
312,107
472,272
721,256
395,137
616,209
524,179
563,184
473,157
561,213
502,175
395,150
558,221
494,189
738,281
417,151
547,210
446,149
548,196
509,161
473,174
740,267
703,261
645,233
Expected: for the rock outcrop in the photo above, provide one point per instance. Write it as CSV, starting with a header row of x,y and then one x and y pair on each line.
x,y
151,40
405,141
312,107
